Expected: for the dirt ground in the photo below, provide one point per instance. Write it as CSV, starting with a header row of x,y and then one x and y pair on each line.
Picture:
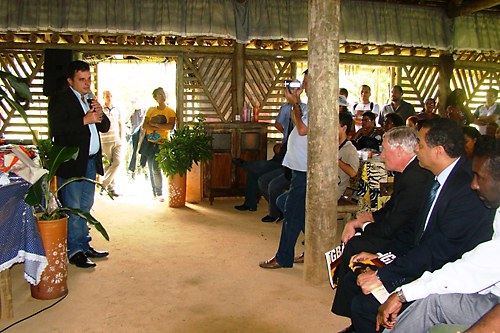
x,y
192,269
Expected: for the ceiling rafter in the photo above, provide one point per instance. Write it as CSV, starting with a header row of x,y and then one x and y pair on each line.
x,y
459,8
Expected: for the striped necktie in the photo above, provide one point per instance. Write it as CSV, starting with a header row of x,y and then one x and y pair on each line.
x,y
426,209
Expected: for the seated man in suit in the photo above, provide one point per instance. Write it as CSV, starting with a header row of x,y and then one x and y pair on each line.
x,y
411,183
441,233
472,281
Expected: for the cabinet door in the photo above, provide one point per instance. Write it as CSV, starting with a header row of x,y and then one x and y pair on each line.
x,y
218,174
250,150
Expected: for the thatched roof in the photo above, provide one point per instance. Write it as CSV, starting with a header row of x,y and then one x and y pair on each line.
x,y
472,25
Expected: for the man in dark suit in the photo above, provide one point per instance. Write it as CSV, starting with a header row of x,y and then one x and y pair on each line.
x,y
411,183
442,232
75,121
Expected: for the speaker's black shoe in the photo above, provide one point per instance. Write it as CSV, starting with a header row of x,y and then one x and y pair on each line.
x,y
245,207
93,253
268,218
80,260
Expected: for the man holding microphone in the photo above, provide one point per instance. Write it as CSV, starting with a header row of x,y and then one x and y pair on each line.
x,y
75,120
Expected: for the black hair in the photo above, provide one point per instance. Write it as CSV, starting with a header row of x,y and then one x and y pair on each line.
x,y
491,151
156,91
447,133
306,72
343,91
398,88
345,119
396,119
494,92
77,66
370,115
471,132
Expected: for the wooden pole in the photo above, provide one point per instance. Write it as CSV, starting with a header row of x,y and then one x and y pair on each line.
x,y
445,74
179,90
238,79
321,201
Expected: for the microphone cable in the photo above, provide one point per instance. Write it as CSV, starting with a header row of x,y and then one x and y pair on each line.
x,y
32,315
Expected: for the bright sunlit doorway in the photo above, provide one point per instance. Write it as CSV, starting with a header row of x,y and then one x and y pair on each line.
x,y
131,83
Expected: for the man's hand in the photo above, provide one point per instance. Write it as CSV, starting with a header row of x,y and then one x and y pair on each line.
x,y
96,107
388,312
294,96
368,281
362,257
93,117
349,231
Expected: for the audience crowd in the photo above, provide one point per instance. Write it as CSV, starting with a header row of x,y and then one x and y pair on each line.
x,y
437,224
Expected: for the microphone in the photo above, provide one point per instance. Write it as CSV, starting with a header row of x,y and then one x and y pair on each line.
x,y
90,98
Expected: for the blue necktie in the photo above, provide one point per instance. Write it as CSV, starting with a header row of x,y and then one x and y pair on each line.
x,y
426,209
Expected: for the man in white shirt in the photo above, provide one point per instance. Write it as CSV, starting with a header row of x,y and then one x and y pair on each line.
x,y
111,143
461,292
365,105
489,112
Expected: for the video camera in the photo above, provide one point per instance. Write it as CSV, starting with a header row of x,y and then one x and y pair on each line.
x,y
292,85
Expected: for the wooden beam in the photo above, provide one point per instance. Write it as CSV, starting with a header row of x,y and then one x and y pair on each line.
x,y
471,7
238,79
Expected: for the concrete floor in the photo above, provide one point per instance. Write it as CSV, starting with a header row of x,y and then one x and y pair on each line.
x,y
192,269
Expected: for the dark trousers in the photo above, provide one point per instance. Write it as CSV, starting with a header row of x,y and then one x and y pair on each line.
x,y
255,169
343,297
133,157
294,221
272,185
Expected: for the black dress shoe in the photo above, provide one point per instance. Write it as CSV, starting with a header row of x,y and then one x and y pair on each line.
x,y
280,218
93,253
80,260
245,207
268,218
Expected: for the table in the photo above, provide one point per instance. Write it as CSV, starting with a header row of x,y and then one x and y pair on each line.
x,y
19,239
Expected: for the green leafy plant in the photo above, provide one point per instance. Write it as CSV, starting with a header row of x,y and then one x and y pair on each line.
x,y
43,199
187,145
21,92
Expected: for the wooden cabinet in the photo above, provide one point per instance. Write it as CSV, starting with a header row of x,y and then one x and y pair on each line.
x,y
221,177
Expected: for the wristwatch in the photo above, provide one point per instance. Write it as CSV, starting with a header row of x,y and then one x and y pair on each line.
x,y
401,295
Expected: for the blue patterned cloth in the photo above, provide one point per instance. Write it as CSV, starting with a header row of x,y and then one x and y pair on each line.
x,y
19,236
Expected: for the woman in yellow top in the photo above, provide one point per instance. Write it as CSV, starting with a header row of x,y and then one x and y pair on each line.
x,y
158,122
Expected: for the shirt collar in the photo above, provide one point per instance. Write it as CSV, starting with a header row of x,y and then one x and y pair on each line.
x,y
443,176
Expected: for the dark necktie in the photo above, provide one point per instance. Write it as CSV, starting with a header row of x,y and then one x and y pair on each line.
x,y
426,209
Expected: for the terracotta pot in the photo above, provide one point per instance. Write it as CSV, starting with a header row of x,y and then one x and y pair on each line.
x,y
53,283
177,191
194,184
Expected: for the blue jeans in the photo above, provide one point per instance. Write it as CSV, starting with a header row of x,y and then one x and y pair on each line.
x,y
295,218
272,185
255,169
155,175
80,195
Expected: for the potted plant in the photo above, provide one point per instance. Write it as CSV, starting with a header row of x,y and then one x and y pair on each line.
x,y
187,145
42,197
